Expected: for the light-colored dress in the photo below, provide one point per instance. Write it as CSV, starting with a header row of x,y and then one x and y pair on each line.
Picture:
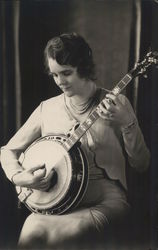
x,y
105,146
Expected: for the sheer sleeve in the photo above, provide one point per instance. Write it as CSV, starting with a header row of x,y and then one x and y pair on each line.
x,y
135,146
29,132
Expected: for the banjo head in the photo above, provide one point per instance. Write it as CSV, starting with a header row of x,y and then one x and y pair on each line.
x,y
52,154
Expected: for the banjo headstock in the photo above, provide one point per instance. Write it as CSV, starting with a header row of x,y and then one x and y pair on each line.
x,y
151,58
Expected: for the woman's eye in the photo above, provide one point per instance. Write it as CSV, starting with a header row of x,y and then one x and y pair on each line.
x,y
67,73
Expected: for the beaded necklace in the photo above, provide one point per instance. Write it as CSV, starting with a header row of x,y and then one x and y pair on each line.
x,y
84,107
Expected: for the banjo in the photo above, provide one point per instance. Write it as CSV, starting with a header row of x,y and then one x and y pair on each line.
x,y
64,154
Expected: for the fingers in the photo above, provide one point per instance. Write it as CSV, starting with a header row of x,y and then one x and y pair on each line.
x,y
106,115
109,107
111,97
48,181
37,178
50,175
42,186
40,173
114,99
109,102
36,167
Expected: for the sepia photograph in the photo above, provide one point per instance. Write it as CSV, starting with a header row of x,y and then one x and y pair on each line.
x,y
78,124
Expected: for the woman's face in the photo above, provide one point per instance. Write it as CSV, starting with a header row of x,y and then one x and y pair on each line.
x,y
67,78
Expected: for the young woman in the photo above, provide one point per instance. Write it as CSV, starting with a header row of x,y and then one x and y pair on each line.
x,y
115,133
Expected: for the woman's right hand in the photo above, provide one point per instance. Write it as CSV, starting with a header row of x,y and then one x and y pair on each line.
x,y
34,178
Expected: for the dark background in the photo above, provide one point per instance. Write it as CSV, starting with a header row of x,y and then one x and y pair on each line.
x,y
110,28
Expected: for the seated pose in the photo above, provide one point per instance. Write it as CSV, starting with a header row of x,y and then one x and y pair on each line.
x,y
114,137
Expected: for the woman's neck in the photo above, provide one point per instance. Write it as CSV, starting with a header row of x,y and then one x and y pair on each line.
x,y
83,97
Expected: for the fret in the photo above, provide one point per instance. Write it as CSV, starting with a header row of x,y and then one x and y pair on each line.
x,y
127,78
67,145
116,90
94,116
83,127
75,136
80,131
89,121
122,84
72,139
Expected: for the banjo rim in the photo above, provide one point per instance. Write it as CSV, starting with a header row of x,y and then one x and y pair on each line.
x,y
67,200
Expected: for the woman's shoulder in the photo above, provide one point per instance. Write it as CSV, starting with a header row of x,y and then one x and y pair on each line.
x,y
53,103
56,100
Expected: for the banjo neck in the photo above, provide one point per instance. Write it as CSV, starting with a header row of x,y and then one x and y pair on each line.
x,y
140,68
83,127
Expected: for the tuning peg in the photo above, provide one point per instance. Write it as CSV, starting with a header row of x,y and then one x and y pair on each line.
x,y
152,60
155,61
149,53
145,76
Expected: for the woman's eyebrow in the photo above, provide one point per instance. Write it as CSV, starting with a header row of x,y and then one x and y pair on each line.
x,y
62,71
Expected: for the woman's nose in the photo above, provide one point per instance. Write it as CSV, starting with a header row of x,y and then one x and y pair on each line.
x,y
60,80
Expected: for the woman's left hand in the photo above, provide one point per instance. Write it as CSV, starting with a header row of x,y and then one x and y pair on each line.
x,y
111,108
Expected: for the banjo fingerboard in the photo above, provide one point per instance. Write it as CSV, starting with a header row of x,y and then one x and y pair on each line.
x,y
83,127
122,84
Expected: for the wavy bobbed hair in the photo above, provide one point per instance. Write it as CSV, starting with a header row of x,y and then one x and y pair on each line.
x,y
71,49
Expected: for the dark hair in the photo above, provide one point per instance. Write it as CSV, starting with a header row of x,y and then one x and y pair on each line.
x,y
71,49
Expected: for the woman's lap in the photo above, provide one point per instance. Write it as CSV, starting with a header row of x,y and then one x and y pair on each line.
x,y
107,202
103,204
